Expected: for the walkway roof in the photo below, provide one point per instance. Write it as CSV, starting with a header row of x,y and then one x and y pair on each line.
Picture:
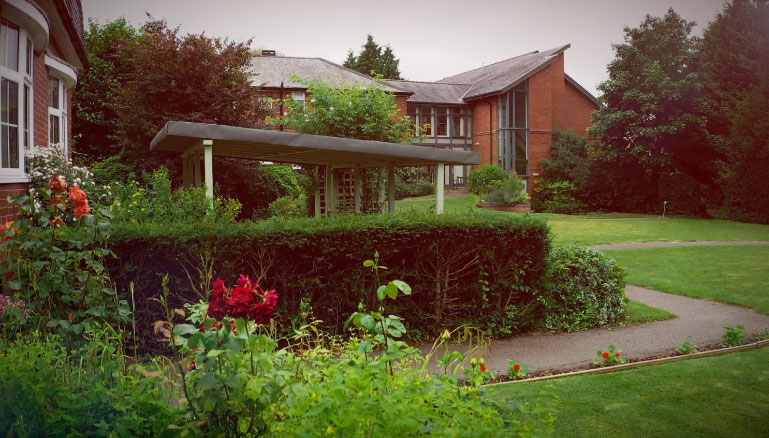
x,y
293,147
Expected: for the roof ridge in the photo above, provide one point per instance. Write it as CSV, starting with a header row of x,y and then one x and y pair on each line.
x,y
493,63
427,82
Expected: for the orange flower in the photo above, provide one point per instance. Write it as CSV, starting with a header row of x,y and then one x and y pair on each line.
x,y
57,183
616,354
483,368
517,367
78,195
606,355
82,210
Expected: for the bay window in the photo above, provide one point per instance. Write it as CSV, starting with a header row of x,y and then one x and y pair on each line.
x,y
16,61
514,131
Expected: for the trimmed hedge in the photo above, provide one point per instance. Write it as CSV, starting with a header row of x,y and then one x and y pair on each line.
x,y
462,268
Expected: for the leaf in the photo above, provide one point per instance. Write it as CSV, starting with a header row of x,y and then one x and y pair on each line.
x,y
107,212
15,285
368,263
367,321
380,292
403,286
208,381
391,290
184,329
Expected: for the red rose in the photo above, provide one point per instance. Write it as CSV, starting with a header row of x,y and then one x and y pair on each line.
x,y
82,210
606,355
217,309
483,368
261,313
78,195
219,289
616,354
517,367
244,281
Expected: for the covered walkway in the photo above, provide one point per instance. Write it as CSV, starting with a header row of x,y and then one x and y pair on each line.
x,y
198,143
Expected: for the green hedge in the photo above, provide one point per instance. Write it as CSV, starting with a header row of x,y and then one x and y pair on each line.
x,y
462,268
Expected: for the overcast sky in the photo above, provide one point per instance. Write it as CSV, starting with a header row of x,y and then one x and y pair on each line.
x,y
432,39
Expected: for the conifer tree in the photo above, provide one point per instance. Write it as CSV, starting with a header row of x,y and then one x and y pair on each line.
x,y
373,61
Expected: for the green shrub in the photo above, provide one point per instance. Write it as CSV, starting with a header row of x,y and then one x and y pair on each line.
x,y
481,180
48,391
556,197
289,207
509,191
157,202
682,195
443,257
408,184
585,288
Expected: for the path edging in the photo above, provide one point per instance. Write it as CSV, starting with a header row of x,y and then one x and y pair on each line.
x,y
631,365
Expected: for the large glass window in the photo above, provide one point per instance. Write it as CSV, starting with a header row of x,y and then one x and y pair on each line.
x,y
514,130
16,59
441,121
57,115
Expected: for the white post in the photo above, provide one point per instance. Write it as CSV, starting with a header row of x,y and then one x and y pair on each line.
x,y
328,187
317,191
357,187
208,170
439,188
391,189
195,158
381,180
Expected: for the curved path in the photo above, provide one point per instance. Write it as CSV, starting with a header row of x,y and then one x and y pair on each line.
x,y
701,321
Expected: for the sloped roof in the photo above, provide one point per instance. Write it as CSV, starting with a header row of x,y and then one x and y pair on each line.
x,y
272,71
432,92
503,75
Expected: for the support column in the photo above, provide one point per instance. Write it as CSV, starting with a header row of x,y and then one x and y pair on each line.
x,y
195,159
356,176
381,180
328,187
391,189
186,176
208,169
439,188
317,191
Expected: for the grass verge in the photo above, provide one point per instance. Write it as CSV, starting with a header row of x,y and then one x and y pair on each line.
x,y
708,397
730,274
637,312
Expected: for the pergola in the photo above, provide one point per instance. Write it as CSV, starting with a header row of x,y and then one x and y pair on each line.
x,y
200,142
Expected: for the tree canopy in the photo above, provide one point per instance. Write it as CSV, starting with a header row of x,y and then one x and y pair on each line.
x,y
374,61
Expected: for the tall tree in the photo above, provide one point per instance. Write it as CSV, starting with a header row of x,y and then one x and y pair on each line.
x,y
735,65
649,121
373,61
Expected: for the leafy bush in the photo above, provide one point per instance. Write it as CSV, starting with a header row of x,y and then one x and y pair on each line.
x,y
509,191
556,197
683,195
159,203
443,258
91,392
289,207
409,184
585,288
481,180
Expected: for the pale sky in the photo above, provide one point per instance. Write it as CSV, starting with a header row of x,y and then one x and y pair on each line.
x,y
432,39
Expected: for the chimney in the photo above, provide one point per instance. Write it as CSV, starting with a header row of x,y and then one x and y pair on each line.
x,y
268,53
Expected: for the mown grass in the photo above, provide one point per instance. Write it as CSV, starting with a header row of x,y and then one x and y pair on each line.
x,y
722,396
609,228
731,274
637,312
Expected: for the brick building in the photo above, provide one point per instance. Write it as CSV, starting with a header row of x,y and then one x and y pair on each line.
x,y
42,47
507,111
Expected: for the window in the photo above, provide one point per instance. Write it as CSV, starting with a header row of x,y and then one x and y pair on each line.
x,y
440,121
57,115
298,96
16,59
514,130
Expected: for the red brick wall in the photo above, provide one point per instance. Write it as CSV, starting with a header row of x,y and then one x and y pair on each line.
x,y
485,134
544,96
8,211
578,110
42,97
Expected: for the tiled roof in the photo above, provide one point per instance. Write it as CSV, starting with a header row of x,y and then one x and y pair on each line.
x,y
501,76
432,92
271,71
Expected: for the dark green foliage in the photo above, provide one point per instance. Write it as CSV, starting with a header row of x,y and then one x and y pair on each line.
x,y
557,197
683,195
735,64
481,180
409,184
373,61
585,288
48,392
443,258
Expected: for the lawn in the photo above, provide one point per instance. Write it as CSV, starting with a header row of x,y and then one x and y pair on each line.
x,y
608,228
637,312
722,396
731,274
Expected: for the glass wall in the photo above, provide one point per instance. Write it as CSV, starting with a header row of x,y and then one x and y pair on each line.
x,y
514,130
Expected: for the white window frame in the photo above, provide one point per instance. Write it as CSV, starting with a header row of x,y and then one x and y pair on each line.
x,y
67,77
25,137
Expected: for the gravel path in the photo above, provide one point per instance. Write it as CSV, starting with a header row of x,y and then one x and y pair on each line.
x,y
699,320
